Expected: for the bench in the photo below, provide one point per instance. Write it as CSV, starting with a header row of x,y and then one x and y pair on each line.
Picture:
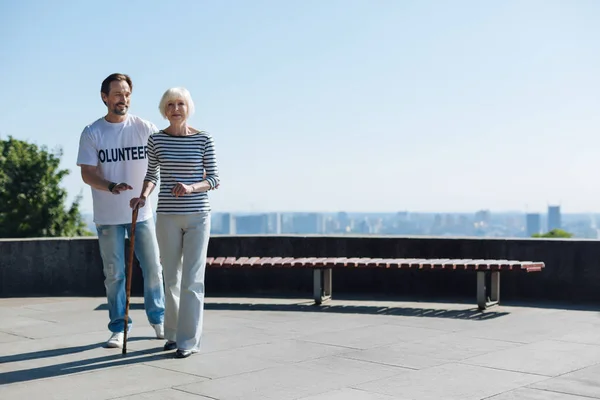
x,y
323,267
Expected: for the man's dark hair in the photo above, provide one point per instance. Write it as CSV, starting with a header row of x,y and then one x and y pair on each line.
x,y
105,88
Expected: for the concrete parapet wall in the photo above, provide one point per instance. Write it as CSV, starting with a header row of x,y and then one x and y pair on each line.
x,y
46,267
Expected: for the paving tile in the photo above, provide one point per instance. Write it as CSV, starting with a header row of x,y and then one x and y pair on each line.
x,y
449,382
550,358
50,347
371,336
529,328
241,337
316,323
281,383
59,323
13,324
452,346
18,302
70,304
356,370
394,356
217,364
19,311
290,351
584,382
586,336
45,329
9,338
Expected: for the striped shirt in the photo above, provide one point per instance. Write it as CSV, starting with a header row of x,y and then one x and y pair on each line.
x,y
182,159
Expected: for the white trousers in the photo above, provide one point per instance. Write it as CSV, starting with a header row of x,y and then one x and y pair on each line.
x,y
183,243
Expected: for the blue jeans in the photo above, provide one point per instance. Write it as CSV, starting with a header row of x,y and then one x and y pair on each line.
x,y
112,249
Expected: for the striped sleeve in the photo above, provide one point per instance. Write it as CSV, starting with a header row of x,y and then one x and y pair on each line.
x,y
153,166
210,162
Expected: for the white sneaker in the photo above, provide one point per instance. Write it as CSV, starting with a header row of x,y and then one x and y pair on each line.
x,y
160,330
115,341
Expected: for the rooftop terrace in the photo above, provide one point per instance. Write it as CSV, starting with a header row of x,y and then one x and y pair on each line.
x,y
50,348
387,334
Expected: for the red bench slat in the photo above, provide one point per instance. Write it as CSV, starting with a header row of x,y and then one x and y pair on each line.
x,y
299,262
253,261
320,262
217,261
276,261
287,262
531,266
229,262
241,261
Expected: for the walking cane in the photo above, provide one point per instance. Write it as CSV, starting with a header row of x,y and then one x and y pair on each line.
x,y
129,273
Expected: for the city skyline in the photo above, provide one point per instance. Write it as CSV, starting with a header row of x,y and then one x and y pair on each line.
x,y
480,223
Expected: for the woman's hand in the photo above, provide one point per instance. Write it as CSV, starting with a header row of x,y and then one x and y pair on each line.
x,y
137,202
180,189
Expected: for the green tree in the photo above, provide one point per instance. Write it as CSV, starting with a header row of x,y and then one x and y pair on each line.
x,y
32,203
554,233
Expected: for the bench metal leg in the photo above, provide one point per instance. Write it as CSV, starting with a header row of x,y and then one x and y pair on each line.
x,y
495,296
483,301
322,285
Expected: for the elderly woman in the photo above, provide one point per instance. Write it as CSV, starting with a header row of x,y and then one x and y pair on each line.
x,y
185,159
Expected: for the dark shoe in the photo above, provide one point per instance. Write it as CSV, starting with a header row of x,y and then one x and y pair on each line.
x,y
184,353
170,346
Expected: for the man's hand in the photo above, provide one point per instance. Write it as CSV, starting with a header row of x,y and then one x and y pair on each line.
x,y
137,202
119,187
180,189
92,176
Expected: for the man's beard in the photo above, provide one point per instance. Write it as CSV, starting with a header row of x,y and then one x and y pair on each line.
x,y
120,111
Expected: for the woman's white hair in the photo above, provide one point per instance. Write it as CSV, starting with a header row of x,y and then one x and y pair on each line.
x,y
172,94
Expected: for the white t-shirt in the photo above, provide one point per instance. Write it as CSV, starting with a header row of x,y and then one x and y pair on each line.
x,y
119,151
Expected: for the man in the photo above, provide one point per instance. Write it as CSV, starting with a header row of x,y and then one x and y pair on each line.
x,y
112,157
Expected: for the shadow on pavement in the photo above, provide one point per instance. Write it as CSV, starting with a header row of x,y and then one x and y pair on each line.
x,y
60,352
83,365
472,314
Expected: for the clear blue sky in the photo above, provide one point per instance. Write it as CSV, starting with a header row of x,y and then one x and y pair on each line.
x,y
373,105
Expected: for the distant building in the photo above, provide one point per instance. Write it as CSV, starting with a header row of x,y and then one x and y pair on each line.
x,y
222,224
275,220
533,224
482,217
253,224
344,221
364,227
554,220
307,223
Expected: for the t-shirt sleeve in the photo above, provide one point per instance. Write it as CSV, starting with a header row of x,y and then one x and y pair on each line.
x,y
150,127
88,153
152,173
